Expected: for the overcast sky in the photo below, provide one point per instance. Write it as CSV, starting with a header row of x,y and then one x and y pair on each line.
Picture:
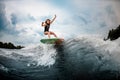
x,y
20,20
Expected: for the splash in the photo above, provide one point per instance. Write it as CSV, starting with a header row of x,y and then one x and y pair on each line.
x,y
41,54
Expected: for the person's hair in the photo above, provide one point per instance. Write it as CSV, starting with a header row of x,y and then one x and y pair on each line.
x,y
47,20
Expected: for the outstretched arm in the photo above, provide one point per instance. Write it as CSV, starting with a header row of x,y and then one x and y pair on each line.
x,y
53,19
43,24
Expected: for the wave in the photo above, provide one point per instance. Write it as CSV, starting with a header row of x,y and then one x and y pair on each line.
x,y
75,59
82,48
3,68
41,54
91,53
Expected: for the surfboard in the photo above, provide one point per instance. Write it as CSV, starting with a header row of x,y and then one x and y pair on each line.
x,y
52,41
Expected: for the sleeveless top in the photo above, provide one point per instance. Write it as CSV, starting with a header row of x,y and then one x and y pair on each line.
x,y
47,28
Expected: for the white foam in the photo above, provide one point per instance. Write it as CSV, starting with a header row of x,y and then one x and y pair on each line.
x,y
41,54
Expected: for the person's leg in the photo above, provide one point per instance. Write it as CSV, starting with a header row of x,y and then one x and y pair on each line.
x,y
47,33
52,33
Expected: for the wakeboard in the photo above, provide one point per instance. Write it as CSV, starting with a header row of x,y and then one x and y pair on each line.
x,y
52,41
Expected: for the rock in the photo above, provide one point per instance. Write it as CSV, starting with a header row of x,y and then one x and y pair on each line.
x,y
113,34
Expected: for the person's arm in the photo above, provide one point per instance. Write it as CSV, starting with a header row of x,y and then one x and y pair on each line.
x,y
43,24
53,19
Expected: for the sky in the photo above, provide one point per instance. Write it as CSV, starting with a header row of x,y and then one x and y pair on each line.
x,y
20,20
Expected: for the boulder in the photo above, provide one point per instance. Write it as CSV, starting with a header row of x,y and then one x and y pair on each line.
x,y
113,34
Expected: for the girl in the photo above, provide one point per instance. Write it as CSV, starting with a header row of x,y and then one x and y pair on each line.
x,y
46,26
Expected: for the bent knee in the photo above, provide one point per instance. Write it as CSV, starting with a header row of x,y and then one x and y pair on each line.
x,y
52,33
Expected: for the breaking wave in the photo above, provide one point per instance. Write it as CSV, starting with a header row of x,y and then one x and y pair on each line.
x,y
73,60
